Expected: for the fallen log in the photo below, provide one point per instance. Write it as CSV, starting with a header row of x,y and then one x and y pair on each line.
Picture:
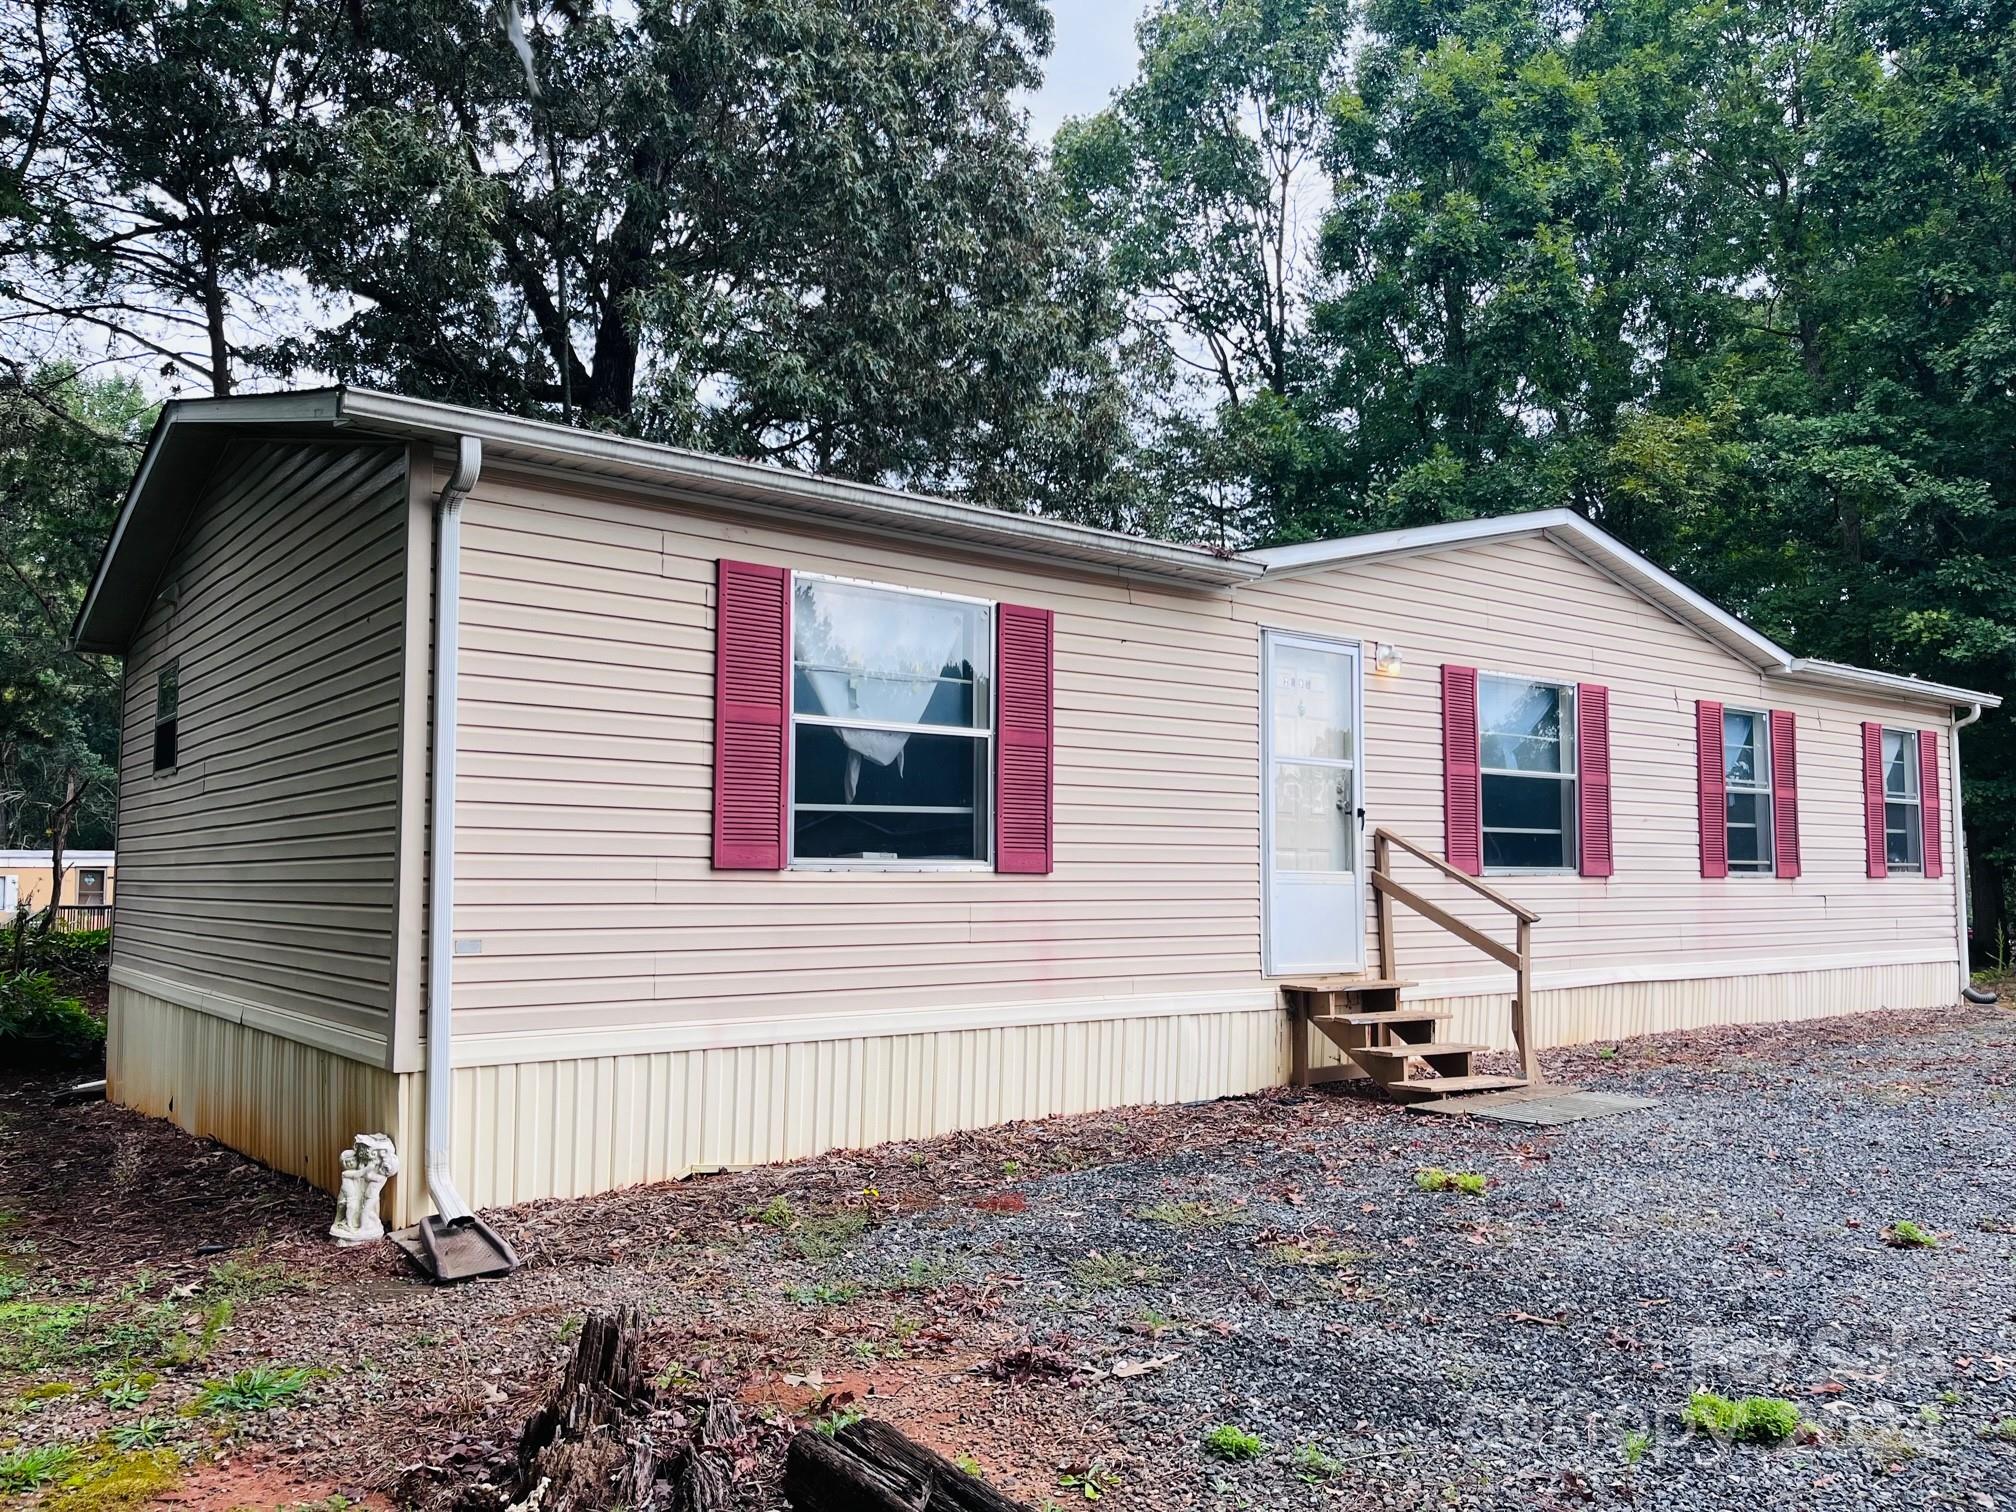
x,y
867,1466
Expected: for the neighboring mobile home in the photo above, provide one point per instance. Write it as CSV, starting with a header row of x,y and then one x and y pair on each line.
x,y
792,814
86,898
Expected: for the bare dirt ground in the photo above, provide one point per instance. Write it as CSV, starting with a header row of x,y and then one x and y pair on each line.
x,y
1078,1303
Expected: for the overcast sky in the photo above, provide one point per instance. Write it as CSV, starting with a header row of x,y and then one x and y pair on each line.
x,y
1093,57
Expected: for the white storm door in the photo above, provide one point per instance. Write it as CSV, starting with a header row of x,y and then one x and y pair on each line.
x,y
1313,901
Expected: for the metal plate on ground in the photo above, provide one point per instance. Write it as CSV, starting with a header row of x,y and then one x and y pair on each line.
x,y
1540,1106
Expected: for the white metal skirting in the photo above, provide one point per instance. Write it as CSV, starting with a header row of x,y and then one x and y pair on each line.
x,y
571,1126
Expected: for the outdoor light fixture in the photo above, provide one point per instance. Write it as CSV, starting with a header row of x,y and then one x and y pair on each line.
x,y
1386,658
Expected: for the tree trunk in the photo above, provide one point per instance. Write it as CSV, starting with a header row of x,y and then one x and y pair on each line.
x,y
1987,896
59,833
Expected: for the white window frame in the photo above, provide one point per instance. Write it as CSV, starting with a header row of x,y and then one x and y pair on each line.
x,y
1914,801
1570,775
1766,787
983,733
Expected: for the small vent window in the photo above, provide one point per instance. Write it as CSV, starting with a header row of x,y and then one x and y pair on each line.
x,y
167,694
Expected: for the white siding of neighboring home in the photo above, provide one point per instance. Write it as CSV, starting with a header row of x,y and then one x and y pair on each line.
x,y
256,880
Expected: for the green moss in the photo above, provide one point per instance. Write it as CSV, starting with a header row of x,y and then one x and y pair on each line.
x,y
1229,1443
48,1391
1746,1420
1435,1179
1904,1234
115,1478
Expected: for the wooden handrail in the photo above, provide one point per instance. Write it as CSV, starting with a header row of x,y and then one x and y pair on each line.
x,y
1386,892
1492,893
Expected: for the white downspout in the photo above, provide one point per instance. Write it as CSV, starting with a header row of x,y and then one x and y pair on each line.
x,y
441,833
1960,847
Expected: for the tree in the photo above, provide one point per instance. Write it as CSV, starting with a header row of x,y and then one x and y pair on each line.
x,y
1198,186
811,232
67,447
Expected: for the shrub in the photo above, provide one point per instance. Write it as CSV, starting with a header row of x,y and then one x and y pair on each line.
x,y
1229,1443
40,1028
1748,1420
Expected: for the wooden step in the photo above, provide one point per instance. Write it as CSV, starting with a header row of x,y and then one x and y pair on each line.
x,y
1409,1016
1345,984
1402,1050
1449,1086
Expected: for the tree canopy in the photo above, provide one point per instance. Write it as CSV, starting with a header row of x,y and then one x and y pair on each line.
x,y
1736,281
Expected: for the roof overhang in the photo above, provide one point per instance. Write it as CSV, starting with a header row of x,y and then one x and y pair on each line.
x,y
190,434
1862,680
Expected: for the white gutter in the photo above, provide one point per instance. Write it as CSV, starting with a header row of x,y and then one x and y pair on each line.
x,y
1960,848
441,833
1862,679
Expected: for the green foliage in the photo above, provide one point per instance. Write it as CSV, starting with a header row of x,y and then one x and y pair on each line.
x,y
2004,1429
830,1423
1188,1215
1745,1420
143,1433
777,1212
823,1293
24,1470
1904,1234
1115,1270
1312,1463
258,1389
1637,1444
39,1336
1435,1179
42,1028
827,1238
1229,1443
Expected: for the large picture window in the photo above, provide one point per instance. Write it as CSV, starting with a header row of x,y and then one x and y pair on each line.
x,y
1526,748
892,720
1746,777
1903,822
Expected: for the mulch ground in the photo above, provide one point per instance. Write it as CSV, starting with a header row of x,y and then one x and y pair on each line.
x,y
1082,1301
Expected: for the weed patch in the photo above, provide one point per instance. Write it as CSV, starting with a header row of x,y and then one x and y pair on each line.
x,y
24,1470
39,1336
260,1389
827,1238
1311,1463
1743,1420
1188,1215
1111,1272
1226,1442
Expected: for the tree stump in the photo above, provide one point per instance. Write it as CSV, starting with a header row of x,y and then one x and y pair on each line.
x,y
868,1466
603,1439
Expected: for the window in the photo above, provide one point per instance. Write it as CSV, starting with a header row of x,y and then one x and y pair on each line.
x,y
91,888
1746,776
892,720
1526,746
166,700
1903,831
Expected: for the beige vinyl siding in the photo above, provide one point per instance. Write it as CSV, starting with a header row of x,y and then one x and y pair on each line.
x,y
585,792
585,889
1530,607
260,871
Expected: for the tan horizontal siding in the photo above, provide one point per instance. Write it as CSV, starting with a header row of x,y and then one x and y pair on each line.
x,y
263,867
584,815
1529,607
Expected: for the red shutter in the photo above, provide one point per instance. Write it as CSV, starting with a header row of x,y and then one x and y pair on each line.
x,y
1928,803
1872,800
1592,746
1785,792
1462,795
1024,739
1714,788
752,702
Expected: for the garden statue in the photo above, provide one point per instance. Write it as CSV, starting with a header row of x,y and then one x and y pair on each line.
x,y
368,1164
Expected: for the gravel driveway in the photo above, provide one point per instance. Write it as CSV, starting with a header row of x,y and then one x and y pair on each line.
x,y
1077,1304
